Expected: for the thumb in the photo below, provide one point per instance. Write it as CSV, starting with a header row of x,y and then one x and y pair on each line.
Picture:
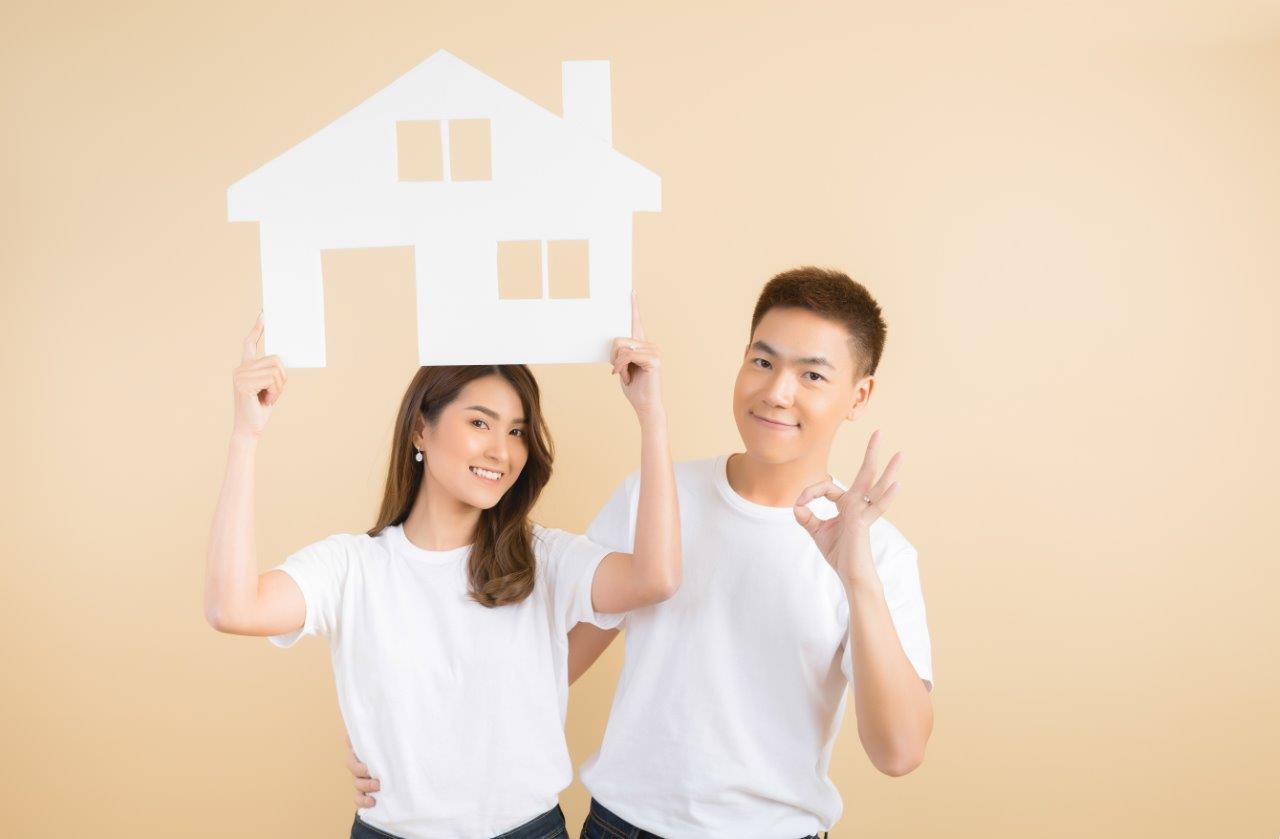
x,y
807,519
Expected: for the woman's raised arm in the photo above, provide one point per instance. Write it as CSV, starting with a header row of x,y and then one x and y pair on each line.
x,y
651,573
236,598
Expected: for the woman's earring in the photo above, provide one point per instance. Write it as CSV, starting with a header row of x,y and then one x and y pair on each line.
x,y
418,456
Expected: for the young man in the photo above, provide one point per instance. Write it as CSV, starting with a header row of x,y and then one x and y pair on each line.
x,y
732,691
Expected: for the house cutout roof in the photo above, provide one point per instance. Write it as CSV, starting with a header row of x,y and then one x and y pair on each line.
x,y
551,178
442,86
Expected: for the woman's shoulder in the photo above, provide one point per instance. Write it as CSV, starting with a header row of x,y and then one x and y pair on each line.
x,y
546,538
549,543
351,545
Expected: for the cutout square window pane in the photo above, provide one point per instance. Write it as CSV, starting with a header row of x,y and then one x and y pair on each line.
x,y
567,266
419,151
469,146
519,270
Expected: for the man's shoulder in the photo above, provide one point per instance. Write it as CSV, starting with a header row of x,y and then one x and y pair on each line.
x,y
700,469
687,472
887,540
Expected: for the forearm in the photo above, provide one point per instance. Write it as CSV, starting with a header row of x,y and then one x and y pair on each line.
x,y
656,551
895,716
231,572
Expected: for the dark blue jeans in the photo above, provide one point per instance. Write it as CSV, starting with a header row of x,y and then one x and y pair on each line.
x,y
603,823
550,825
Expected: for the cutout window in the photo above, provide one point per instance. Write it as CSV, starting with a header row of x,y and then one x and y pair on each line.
x,y
469,149
567,269
420,151
539,269
444,150
519,270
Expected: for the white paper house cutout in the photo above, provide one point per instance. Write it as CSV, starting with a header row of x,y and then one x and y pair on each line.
x,y
551,178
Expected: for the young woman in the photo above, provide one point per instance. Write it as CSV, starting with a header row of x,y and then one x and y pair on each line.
x,y
448,621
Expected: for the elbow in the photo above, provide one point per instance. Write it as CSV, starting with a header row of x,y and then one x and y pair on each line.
x,y
218,619
895,766
665,588
657,589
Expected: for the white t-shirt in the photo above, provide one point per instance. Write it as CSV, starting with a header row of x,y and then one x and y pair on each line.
x,y
732,691
457,709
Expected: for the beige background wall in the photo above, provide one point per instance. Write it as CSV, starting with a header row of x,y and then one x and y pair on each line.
x,y
1069,214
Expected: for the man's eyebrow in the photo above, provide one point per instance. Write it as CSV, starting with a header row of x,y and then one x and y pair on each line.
x,y
813,360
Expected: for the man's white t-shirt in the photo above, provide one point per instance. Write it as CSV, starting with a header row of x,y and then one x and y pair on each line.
x,y
732,691
456,708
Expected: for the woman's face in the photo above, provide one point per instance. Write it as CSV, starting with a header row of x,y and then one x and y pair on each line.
x,y
477,447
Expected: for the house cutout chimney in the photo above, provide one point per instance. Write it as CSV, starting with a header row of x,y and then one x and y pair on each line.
x,y
584,93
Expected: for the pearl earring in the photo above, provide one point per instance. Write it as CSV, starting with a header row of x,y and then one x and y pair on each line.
x,y
418,457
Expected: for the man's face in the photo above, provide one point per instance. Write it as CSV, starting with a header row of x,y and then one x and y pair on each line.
x,y
796,386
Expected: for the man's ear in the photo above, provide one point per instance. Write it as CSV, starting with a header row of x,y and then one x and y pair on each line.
x,y
861,396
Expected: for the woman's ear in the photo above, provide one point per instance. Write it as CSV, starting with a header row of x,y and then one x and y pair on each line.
x,y
419,436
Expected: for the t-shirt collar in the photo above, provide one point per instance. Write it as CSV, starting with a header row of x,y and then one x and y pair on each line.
x,y
401,544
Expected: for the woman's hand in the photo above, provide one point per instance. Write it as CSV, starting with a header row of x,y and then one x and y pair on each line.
x,y
365,785
845,539
258,383
637,362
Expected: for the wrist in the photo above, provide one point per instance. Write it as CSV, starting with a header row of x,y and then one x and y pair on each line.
x,y
861,584
244,440
652,417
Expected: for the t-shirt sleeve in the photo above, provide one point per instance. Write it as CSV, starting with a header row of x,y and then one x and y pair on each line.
x,y
615,524
569,563
900,577
320,570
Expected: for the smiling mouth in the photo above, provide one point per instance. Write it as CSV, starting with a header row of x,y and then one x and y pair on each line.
x,y
486,474
772,424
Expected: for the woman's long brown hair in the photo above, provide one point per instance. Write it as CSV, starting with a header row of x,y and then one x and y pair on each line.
x,y
501,566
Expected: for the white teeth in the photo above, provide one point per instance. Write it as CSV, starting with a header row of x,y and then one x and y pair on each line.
x,y
485,473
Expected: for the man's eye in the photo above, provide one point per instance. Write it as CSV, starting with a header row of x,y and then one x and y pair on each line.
x,y
816,377
760,362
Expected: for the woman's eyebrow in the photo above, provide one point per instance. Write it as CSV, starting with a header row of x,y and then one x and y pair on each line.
x,y
492,414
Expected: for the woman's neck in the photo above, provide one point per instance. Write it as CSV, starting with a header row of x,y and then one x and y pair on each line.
x,y
438,521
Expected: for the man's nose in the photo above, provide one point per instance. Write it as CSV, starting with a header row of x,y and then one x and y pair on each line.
x,y
781,391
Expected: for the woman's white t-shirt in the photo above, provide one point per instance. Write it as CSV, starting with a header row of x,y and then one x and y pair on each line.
x,y
456,708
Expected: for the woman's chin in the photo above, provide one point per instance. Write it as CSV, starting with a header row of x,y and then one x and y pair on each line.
x,y
483,500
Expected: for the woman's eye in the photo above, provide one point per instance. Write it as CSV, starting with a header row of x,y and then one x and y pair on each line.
x,y
519,432
479,423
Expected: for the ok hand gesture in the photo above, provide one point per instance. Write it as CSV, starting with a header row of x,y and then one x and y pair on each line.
x,y
845,538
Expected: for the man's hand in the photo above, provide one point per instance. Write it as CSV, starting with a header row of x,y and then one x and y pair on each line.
x,y
845,539
364,784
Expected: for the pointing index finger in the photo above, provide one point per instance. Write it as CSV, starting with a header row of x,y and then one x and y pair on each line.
x,y
251,340
637,328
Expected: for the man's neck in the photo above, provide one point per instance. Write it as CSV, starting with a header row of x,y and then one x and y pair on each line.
x,y
774,484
